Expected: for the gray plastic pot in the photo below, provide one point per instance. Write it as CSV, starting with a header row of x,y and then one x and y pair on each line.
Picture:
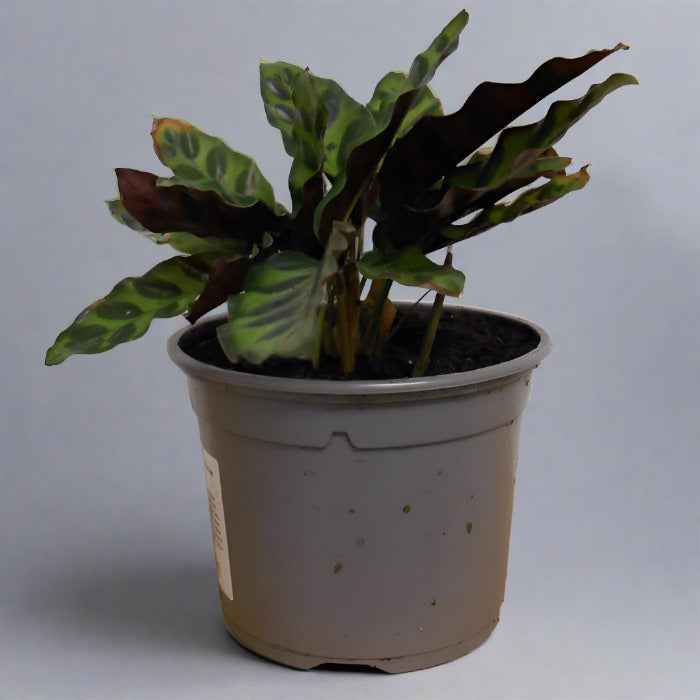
x,y
361,522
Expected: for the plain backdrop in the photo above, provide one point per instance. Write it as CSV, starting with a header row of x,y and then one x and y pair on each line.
x,y
107,580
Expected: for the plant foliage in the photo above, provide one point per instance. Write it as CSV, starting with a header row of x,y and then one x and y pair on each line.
x,y
294,278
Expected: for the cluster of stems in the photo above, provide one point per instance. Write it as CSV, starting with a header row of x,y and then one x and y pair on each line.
x,y
352,326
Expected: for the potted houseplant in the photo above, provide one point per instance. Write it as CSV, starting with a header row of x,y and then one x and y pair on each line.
x,y
360,455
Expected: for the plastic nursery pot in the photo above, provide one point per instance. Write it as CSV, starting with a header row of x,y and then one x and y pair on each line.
x,y
361,522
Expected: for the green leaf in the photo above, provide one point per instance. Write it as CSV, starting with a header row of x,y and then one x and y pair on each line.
x,y
355,178
179,240
345,116
412,268
544,166
278,313
370,147
436,145
422,70
187,214
529,201
457,202
194,245
308,131
426,103
119,212
205,162
520,146
425,64
126,312
468,176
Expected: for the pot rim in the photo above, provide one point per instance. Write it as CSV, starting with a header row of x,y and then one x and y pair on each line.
x,y
356,387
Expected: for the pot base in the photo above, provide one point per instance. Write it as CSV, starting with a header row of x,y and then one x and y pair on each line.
x,y
398,664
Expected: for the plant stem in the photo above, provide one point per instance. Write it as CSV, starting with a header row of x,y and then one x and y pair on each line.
x,y
360,241
327,319
431,330
370,337
348,317
320,335
342,327
429,337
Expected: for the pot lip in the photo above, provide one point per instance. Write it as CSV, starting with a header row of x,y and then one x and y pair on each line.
x,y
472,379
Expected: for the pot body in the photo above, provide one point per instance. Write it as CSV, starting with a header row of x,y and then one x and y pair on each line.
x,y
361,522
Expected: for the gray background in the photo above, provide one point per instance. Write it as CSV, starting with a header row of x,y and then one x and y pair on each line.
x,y
107,583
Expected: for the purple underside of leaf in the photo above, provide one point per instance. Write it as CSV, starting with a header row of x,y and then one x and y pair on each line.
x,y
528,201
201,213
438,143
225,278
422,228
303,236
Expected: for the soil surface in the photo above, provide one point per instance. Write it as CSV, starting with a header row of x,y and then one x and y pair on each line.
x,y
465,340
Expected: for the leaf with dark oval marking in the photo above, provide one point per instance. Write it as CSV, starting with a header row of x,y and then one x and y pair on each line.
x,y
207,163
179,210
367,149
126,312
425,104
155,288
190,175
277,83
117,310
189,144
168,310
123,334
87,332
349,124
529,201
278,313
308,132
421,72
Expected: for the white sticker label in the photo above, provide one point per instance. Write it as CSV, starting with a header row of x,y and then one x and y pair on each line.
x,y
218,524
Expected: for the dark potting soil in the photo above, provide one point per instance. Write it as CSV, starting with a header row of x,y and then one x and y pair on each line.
x,y
465,340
